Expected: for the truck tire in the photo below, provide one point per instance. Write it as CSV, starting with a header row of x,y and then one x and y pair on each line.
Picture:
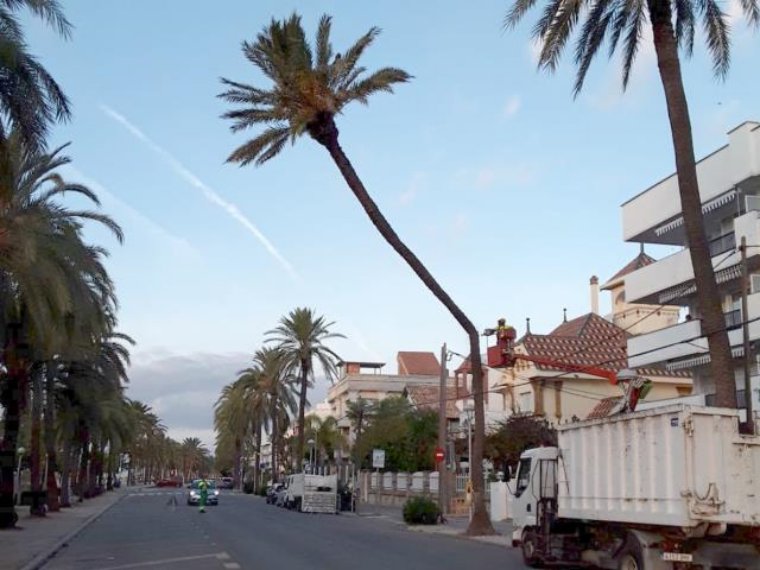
x,y
629,557
529,546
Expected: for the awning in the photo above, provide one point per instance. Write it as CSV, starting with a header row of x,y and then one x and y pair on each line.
x,y
699,360
685,289
714,204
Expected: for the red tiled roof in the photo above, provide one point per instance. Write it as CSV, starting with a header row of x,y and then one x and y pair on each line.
x,y
641,260
417,363
588,325
466,367
428,397
603,408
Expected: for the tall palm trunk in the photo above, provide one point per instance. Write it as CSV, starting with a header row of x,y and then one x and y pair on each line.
x,y
36,442
50,447
273,444
84,440
66,474
11,394
236,463
302,412
713,321
257,454
326,133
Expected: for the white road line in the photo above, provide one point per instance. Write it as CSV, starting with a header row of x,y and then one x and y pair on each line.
x,y
223,556
160,562
231,565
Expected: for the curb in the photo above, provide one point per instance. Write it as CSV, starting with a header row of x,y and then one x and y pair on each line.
x,y
37,562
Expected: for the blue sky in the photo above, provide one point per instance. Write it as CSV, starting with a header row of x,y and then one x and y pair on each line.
x,y
503,184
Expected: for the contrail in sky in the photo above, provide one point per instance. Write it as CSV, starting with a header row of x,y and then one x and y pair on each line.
x,y
210,194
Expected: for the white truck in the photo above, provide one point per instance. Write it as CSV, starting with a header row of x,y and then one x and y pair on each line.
x,y
312,493
668,488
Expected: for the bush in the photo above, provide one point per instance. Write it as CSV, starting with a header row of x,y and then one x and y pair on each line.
x,y
421,510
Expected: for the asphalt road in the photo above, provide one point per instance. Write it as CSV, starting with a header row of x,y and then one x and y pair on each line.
x,y
150,530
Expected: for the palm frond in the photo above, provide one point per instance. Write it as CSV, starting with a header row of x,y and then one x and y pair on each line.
x,y
381,80
516,13
343,66
271,140
685,25
716,29
632,40
324,48
592,35
751,9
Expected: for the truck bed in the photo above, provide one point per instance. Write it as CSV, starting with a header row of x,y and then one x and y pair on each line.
x,y
678,465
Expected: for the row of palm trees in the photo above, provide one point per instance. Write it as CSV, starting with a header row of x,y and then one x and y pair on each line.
x,y
268,395
63,362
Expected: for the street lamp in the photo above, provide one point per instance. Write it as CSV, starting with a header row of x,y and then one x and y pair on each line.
x,y
20,452
469,410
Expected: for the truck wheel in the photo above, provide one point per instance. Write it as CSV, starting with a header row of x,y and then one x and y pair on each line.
x,y
529,544
629,557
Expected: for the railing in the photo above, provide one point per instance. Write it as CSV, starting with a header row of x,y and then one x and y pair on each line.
x,y
722,244
733,318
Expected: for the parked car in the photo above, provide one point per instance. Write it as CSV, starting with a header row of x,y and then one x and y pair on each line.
x,y
227,483
169,483
272,491
194,493
281,497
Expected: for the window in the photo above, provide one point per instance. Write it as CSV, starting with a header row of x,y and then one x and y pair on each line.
x,y
523,476
525,401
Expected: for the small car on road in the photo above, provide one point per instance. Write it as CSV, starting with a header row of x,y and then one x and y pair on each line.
x,y
194,493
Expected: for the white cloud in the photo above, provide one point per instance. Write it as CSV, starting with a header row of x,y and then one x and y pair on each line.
x,y
485,177
209,193
511,107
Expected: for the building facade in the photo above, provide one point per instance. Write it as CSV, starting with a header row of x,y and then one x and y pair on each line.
x,y
729,186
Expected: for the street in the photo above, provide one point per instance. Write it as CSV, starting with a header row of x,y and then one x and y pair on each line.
x,y
149,530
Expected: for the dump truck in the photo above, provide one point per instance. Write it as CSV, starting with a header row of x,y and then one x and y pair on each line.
x,y
312,493
676,487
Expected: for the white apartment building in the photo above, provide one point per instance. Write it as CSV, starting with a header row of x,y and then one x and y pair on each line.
x,y
729,185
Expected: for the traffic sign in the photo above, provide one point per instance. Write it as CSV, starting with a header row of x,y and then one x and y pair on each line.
x,y
440,455
378,459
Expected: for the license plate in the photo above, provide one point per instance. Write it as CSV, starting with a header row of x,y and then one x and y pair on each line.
x,y
677,557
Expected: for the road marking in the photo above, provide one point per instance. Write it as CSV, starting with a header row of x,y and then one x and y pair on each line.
x,y
231,565
223,556
160,562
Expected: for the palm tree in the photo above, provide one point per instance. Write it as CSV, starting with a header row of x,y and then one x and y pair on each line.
x,y
616,21
193,455
301,336
275,391
30,99
46,271
310,87
328,439
359,412
233,421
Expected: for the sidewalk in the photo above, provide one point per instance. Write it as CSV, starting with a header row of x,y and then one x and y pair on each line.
x,y
455,526
35,539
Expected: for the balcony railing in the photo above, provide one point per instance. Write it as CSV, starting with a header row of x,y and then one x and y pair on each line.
x,y
722,244
733,318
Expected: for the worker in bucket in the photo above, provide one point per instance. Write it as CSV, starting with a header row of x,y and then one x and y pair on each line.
x,y
203,490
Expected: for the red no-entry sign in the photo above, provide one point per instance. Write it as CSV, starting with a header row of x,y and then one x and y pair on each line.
x,y
439,455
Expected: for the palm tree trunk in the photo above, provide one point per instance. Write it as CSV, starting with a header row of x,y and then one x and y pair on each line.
x,y
273,445
302,412
327,134
708,298
236,463
257,455
66,474
10,398
50,447
36,442
84,440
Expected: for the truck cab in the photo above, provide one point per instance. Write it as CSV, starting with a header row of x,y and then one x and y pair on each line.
x,y
534,488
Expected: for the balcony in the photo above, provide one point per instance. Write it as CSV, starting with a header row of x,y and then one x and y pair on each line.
x,y
717,174
684,339
668,279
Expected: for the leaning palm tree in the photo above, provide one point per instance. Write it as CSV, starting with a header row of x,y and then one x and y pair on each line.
x,y
310,87
233,422
30,99
301,336
673,24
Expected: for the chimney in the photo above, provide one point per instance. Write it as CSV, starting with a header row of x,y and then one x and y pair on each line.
x,y
595,294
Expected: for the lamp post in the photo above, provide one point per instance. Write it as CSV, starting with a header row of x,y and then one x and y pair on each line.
x,y
469,410
20,452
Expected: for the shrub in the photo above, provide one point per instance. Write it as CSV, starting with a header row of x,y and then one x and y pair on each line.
x,y
421,510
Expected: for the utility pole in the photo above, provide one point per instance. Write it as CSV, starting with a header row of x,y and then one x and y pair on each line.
x,y
745,331
443,480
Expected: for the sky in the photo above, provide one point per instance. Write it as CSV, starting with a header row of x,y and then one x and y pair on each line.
x,y
506,186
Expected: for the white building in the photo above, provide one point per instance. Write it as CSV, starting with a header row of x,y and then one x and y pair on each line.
x,y
729,185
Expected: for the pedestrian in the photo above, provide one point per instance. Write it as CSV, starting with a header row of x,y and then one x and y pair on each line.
x,y
203,488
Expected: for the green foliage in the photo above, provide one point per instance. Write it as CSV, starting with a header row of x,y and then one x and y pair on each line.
x,y
407,435
421,510
515,435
